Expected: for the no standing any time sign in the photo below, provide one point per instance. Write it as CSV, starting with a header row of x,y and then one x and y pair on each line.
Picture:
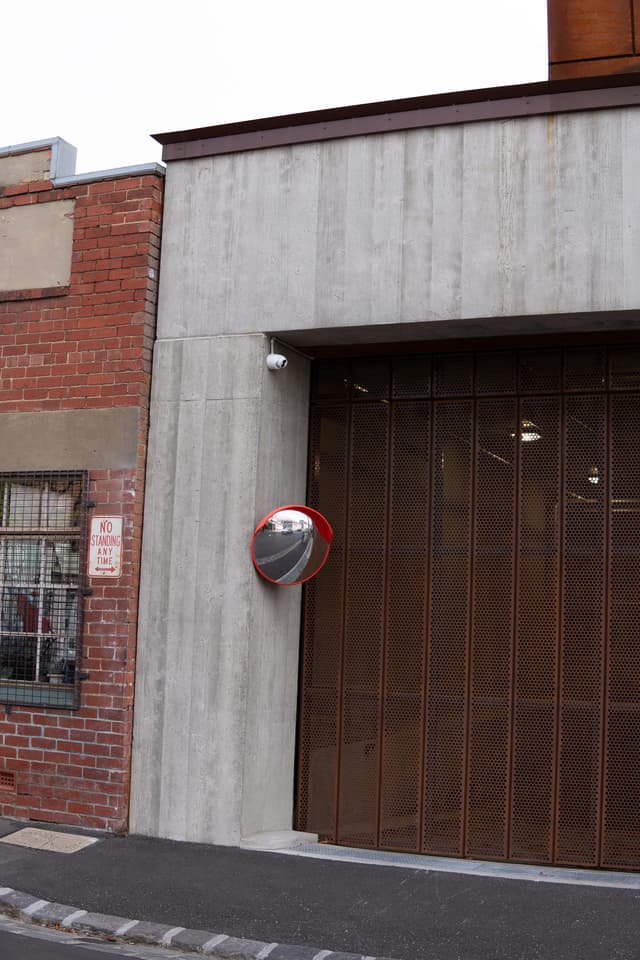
x,y
105,547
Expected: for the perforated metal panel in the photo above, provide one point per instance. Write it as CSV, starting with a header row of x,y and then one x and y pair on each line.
x,y
583,635
406,594
621,833
471,662
487,800
363,627
323,623
448,627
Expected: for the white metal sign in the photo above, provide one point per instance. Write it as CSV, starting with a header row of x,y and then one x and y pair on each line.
x,y
105,547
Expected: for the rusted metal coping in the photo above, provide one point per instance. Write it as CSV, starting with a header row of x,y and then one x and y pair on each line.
x,y
467,106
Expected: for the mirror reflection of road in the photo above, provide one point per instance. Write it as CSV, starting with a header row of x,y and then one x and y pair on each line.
x,y
281,554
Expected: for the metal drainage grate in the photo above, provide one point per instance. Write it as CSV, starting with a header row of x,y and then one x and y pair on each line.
x,y
7,780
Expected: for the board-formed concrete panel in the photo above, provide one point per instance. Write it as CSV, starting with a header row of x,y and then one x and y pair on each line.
x,y
482,220
217,646
35,245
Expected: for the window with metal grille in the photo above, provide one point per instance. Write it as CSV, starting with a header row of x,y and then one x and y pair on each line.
x,y
42,523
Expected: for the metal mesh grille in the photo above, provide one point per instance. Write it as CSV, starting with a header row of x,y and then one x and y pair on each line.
x,y
493,623
496,373
472,653
407,572
585,370
582,652
412,377
539,371
330,381
453,375
624,368
364,611
370,380
323,623
446,687
41,533
536,633
621,840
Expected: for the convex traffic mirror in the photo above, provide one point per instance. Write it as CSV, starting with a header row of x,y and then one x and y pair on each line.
x,y
291,544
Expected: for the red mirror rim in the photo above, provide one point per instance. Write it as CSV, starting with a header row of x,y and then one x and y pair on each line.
x,y
324,529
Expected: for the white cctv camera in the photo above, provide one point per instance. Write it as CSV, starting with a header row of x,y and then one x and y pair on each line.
x,y
275,361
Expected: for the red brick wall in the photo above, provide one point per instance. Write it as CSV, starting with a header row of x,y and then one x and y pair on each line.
x,y
87,346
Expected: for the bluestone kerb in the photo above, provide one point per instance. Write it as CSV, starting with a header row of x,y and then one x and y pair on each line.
x,y
24,906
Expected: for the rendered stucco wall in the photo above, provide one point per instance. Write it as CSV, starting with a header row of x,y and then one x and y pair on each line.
x,y
25,167
89,439
35,245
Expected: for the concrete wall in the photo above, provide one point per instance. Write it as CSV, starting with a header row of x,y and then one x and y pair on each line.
x,y
423,230
522,217
216,692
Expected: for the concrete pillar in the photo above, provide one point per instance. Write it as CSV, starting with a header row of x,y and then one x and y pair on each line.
x,y
216,692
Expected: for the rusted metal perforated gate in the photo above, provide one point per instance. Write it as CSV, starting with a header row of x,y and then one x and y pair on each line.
x,y
471,664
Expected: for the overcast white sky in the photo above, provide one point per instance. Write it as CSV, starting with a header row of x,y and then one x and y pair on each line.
x,y
106,75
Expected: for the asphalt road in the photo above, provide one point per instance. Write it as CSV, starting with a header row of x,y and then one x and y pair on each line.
x,y
14,947
26,941
379,911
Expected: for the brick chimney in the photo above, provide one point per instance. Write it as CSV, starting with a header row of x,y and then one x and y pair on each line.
x,y
590,38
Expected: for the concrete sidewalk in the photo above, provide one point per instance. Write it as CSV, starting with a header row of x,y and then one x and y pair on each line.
x,y
308,906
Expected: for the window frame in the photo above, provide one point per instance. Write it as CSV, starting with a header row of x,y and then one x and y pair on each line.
x,y
41,691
